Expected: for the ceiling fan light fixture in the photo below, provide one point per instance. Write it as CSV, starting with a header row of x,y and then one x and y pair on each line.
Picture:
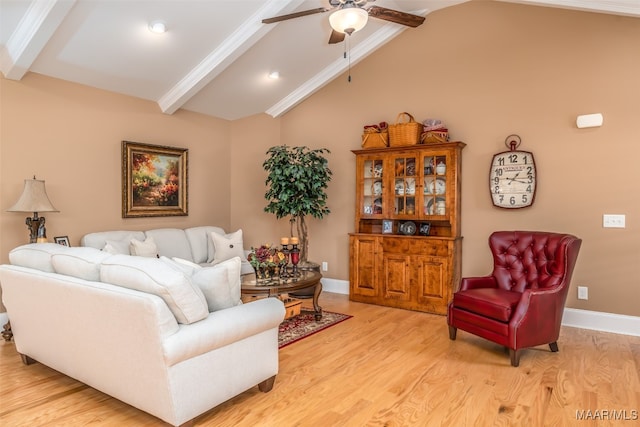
x,y
348,19
157,27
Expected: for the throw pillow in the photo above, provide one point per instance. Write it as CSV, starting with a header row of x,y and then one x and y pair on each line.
x,y
151,275
116,247
227,246
187,267
220,284
147,248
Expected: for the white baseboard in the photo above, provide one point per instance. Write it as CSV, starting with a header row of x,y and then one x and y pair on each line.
x,y
600,321
584,319
335,286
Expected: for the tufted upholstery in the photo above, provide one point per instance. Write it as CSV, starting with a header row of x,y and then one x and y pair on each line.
x,y
521,303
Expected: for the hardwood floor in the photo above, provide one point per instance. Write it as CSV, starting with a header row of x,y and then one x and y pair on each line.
x,y
384,367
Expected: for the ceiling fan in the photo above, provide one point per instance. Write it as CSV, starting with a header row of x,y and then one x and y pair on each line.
x,y
349,16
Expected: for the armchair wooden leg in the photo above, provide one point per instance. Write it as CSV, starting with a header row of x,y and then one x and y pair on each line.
x,y
452,333
515,357
267,384
553,346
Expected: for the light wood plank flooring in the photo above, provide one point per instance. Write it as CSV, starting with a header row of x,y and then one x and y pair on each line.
x,y
383,367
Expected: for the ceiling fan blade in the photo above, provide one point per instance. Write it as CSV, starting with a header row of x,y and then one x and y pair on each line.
x,y
336,37
293,15
396,16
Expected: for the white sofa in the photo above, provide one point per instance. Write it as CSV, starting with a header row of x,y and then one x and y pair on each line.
x,y
139,329
194,244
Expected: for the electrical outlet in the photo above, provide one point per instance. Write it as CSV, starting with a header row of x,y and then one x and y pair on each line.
x,y
325,266
613,221
583,292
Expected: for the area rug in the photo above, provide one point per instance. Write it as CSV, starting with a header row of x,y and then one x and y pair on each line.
x,y
304,325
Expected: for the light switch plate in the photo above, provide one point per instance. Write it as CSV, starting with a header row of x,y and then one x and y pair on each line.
x,y
583,292
613,221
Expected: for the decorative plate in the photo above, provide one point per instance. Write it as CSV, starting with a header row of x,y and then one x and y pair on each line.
x,y
435,185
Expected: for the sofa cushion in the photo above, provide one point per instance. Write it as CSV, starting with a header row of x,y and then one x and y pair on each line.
x,y
147,248
495,303
201,243
227,246
171,242
81,262
185,299
220,284
36,255
99,239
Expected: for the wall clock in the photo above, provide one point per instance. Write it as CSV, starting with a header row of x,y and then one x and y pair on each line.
x,y
512,180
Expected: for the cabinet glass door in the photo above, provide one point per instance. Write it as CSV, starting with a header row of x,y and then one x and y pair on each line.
x,y
372,187
404,185
435,185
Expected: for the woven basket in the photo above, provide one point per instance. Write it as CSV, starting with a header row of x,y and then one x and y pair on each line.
x,y
404,133
434,137
375,139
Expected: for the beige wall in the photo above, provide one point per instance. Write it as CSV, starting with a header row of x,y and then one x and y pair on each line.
x,y
488,69
70,136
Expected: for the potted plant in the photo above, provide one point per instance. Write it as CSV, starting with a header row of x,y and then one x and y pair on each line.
x,y
297,179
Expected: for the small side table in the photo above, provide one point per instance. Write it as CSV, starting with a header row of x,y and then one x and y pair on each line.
x,y
278,286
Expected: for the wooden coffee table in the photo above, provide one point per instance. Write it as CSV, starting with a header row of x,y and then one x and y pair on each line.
x,y
276,286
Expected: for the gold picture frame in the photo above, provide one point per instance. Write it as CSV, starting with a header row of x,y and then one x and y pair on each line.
x,y
155,180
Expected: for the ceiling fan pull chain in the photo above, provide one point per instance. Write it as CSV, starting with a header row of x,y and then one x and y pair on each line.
x,y
347,47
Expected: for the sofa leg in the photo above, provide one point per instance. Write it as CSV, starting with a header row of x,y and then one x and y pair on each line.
x,y
553,346
27,360
267,384
515,357
452,333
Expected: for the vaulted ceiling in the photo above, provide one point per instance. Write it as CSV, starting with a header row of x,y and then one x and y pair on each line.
x,y
216,55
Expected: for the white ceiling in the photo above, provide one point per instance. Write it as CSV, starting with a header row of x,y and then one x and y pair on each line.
x,y
216,54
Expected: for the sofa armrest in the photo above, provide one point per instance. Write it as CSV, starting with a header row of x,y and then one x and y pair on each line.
x,y
223,327
477,283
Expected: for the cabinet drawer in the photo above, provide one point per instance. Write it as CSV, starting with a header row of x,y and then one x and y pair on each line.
x,y
432,247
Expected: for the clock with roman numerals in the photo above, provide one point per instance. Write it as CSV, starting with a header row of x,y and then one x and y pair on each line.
x,y
512,180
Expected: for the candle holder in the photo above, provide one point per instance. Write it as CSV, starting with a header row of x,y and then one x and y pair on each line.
x,y
295,259
283,266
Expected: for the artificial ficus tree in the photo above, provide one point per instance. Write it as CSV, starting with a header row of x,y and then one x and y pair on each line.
x,y
296,181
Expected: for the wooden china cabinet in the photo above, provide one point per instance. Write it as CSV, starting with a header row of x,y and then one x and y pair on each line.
x,y
406,248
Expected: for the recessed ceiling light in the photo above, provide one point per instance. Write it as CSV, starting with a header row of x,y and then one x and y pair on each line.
x,y
157,27
274,75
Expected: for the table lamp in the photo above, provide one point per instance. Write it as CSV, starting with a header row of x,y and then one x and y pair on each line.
x,y
34,199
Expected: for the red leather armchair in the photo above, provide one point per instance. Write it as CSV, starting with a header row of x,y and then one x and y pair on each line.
x,y
521,303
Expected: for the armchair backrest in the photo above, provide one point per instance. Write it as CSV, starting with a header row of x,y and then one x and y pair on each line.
x,y
533,259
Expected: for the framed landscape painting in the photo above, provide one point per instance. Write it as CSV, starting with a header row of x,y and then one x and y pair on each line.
x,y
154,180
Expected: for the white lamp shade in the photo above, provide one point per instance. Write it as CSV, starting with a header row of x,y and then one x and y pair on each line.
x,y
348,19
33,199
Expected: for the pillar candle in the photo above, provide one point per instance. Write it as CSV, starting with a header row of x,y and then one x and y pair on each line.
x,y
294,241
284,241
